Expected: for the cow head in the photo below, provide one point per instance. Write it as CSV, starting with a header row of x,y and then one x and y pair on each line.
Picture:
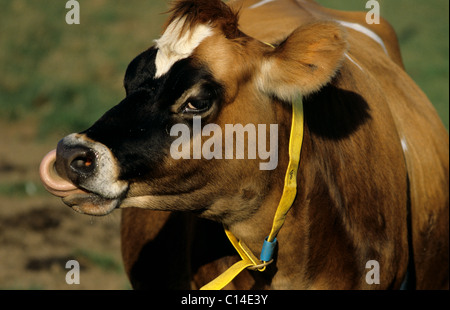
x,y
202,65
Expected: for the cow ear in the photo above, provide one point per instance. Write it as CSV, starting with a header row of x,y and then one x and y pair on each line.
x,y
307,60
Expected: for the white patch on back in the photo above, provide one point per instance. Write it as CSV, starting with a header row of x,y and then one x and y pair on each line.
x,y
172,47
365,31
261,3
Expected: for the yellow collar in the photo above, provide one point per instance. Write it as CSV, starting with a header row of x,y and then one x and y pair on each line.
x,y
249,260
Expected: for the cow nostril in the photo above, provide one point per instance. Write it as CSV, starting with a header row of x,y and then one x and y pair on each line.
x,y
75,162
84,163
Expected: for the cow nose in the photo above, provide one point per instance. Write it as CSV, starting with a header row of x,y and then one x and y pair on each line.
x,y
75,162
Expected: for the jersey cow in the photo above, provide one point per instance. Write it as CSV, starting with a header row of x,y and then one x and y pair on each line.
x,y
373,173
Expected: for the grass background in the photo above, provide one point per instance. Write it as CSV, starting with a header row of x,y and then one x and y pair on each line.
x,y
67,76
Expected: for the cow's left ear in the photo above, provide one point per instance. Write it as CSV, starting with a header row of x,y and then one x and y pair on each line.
x,y
307,60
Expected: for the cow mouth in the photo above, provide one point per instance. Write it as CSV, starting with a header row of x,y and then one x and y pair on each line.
x,y
79,199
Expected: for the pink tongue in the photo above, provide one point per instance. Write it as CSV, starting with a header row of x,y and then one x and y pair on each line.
x,y
52,181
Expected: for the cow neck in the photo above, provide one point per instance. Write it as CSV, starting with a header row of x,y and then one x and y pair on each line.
x,y
249,260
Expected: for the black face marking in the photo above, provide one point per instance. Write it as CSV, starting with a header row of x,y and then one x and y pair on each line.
x,y
137,129
140,69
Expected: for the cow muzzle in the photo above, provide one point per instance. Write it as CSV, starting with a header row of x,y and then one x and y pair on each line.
x,y
85,174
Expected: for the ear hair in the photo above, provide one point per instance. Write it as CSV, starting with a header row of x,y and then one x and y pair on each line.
x,y
306,61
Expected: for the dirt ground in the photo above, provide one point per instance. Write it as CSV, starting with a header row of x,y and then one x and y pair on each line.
x,y
39,234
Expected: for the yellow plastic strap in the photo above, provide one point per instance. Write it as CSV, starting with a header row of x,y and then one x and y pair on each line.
x,y
244,252
287,198
290,180
248,260
221,281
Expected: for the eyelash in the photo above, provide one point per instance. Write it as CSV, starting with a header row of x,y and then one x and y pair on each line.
x,y
196,106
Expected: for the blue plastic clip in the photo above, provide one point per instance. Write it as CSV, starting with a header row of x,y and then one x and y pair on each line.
x,y
267,250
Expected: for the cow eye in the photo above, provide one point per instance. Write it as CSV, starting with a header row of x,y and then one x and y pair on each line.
x,y
197,105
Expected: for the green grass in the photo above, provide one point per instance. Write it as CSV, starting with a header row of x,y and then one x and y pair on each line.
x,y
21,189
19,287
103,261
67,76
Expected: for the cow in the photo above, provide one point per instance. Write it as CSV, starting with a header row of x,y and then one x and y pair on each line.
x,y
373,175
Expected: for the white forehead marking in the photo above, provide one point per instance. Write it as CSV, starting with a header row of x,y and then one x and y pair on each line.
x,y
261,3
365,31
172,47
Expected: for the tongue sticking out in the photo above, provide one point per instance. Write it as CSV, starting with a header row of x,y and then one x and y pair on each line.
x,y
80,200
52,181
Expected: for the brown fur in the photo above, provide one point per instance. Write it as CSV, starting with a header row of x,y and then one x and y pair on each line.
x,y
357,187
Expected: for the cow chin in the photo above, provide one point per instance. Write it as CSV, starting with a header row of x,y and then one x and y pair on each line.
x,y
91,204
